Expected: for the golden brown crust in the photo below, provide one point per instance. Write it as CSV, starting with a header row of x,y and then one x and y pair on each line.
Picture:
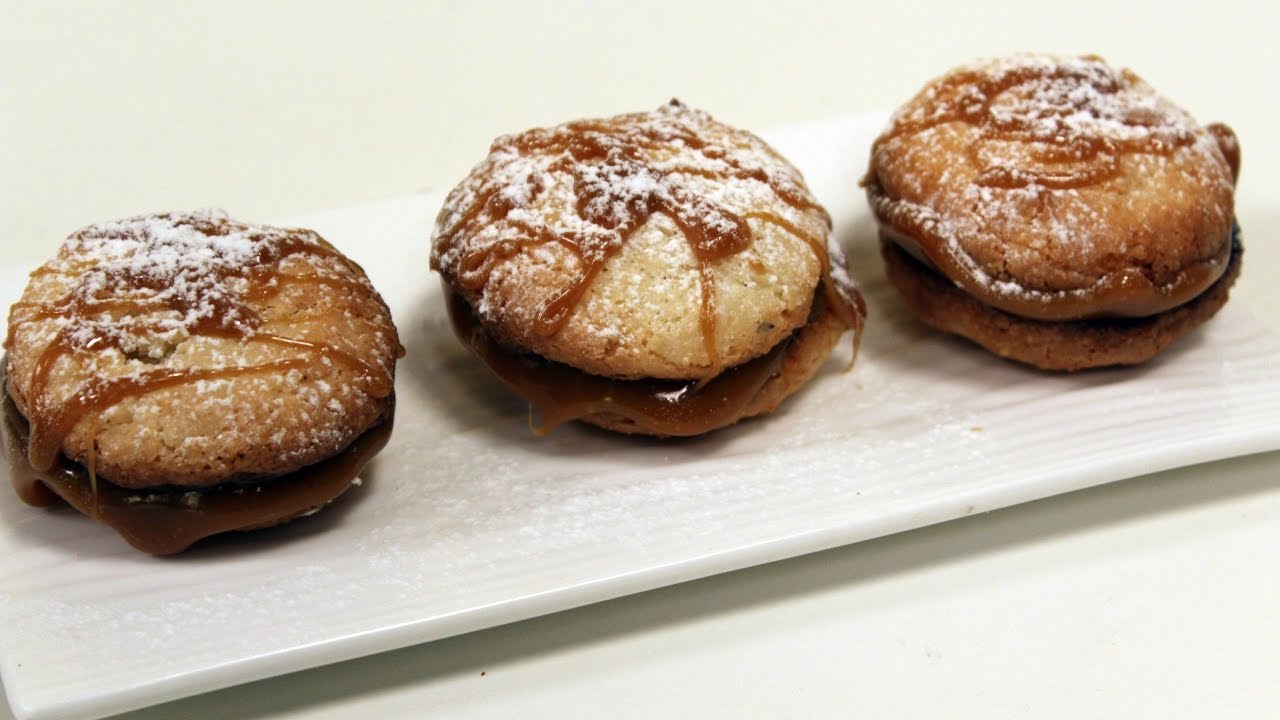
x,y
1040,179
637,200
654,273
270,371
808,349
166,520
1074,345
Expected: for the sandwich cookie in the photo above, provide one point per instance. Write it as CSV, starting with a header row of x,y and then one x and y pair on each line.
x,y
184,374
657,273
1056,211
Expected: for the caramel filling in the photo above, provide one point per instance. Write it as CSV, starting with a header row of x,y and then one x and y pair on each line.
x,y
137,287
168,520
661,407
1124,294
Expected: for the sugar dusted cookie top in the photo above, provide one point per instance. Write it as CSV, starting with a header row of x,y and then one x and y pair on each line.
x,y
1058,187
191,349
660,244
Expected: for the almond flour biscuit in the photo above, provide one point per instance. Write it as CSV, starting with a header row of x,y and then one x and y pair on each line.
x,y
185,374
656,273
1068,201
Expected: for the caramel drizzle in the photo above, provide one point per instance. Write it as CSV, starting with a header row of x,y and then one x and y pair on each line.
x,y
846,302
167,520
1084,160
57,421
72,305
677,408
619,147
1089,158
232,317
1126,293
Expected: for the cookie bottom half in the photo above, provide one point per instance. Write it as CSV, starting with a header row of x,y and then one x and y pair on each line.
x,y
1065,345
168,520
657,407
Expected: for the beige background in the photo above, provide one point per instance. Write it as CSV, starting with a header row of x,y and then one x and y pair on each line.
x,y
274,109
1155,597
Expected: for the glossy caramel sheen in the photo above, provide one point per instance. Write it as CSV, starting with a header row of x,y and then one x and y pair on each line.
x,y
1077,159
624,143
1123,294
165,521
657,407
1068,160
233,317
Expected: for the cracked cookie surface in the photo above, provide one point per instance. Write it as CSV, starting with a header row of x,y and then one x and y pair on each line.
x,y
1062,196
190,349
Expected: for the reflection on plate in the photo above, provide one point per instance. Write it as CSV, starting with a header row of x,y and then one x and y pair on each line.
x,y
468,521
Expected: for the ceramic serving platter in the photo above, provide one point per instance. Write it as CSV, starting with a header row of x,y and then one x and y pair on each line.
x,y
467,520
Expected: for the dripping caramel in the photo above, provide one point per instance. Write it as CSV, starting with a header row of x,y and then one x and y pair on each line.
x,y
1076,160
164,521
578,149
1127,293
1096,155
230,316
674,408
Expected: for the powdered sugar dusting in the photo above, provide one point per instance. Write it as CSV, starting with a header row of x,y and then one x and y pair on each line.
x,y
1065,103
589,185
216,347
169,273
899,212
1028,145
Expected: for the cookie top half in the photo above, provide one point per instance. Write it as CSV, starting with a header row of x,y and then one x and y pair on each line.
x,y
190,349
661,244
1057,188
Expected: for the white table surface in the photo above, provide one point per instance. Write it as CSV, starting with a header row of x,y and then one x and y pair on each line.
x,y
1152,597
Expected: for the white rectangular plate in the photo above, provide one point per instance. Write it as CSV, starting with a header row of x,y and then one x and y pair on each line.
x,y
468,521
